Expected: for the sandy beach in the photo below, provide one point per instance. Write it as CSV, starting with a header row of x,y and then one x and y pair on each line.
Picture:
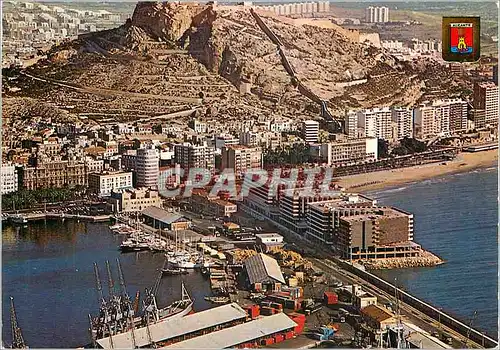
x,y
391,178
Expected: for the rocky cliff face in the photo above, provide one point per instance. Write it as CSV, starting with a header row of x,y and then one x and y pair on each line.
x,y
187,50
165,21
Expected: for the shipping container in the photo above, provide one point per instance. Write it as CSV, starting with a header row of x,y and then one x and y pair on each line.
x,y
278,338
269,341
289,335
267,311
253,311
300,319
330,298
277,306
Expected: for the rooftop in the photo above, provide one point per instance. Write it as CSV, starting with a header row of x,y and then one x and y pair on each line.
x,y
239,334
377,213
162,215
261,267
268,235
377,313
174,327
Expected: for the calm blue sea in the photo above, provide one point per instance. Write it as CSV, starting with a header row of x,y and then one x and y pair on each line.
x,y
456,218
48,269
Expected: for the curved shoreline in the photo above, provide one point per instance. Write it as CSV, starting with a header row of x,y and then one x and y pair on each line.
x,y
393,178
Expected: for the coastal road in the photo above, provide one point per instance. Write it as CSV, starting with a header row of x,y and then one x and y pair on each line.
x,y
411,314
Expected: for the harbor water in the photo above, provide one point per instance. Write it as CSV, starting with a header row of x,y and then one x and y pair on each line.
x,y
48,269
456,218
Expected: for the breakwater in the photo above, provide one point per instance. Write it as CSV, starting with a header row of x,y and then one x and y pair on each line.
x,y
425,259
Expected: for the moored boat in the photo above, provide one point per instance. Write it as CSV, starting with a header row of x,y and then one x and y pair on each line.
x,y
174,272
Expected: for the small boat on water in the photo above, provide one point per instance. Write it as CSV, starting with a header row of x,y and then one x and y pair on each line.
x,y
18,219
185,264
117,227
133,246
174,272
218,300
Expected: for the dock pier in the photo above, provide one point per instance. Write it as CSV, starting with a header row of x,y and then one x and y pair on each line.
x,y
25,218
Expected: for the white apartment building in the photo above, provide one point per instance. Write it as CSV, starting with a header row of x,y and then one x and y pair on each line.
x,y
94,165
349,151
451,115
403,117
374,122
441,118
377,14
261,139
103,184
241,158
133,200
225,140
147,167
9,179
188,155
310,131
392,45
425,122
486,97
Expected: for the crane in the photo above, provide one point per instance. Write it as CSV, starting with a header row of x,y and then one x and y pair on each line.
x,y
127,301
17,336
474,316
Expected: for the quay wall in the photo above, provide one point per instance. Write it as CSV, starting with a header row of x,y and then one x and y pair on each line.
x,y
422,306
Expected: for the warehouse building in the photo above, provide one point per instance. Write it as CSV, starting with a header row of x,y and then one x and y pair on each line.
x,y
160,218
178,329
264,273
250,334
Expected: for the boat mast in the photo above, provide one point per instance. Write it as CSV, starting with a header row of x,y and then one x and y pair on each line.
x,y
17,336
98,285
110,279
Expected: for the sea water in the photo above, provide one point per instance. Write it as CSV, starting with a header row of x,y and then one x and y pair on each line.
x,y
456,218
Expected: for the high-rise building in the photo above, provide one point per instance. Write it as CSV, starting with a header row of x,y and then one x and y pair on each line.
x,y
377,14
323,217
442,117
147,167
451,115
486,97
375,122
403,117
495,74
189,156
9,179
310,131
425,122
241,158
479,118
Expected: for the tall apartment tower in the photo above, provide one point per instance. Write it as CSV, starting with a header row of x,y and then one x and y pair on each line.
x,y
189,156
377,14
147,167
310,131
486,97
376,122
403,117
425,122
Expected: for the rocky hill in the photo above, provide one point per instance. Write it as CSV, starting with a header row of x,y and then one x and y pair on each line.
x,y
168,56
